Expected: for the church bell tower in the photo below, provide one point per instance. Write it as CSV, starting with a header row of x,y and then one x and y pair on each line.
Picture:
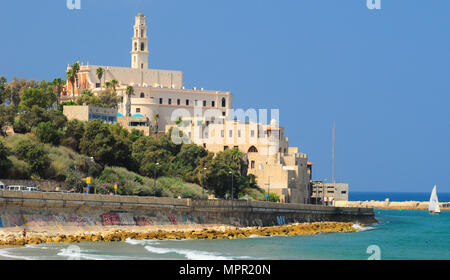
x,y
139,51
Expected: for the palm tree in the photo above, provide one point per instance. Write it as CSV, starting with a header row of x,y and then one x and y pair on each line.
x,y
75,70
99,73
107,84
58,85
114,84
156,123
71,78
129,91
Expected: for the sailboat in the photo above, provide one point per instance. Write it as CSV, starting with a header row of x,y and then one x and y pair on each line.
x,y
434,203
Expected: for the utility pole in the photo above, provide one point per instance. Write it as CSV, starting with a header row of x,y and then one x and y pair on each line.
x,y
203,183
232,197
154,180
332,154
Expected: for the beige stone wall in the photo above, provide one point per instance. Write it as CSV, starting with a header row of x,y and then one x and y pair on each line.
x,y
76,112
273,161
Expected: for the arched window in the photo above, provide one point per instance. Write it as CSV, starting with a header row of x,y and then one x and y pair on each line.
x,y
142,95
142,33
224,103
142,46
252,149
135,46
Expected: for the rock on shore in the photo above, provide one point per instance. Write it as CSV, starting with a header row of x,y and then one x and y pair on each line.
x,y
217,232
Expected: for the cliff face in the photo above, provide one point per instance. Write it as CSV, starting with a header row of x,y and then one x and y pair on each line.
x,y
413,205
36,209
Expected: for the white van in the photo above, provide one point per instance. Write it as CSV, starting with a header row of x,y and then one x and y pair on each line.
x,y
16,188
2,186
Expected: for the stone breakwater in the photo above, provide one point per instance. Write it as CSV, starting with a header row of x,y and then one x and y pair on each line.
x,y
406,205
218,232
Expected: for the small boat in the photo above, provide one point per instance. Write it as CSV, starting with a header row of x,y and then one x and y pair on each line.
x,y
433,207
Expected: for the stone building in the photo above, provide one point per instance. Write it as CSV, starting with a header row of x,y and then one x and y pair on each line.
x,y
278,168
330,193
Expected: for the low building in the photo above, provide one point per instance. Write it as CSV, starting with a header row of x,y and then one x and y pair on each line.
x,y
88,113
329,193
138,122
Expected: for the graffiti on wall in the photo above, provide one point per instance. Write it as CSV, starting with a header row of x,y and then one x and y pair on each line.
x,y
281,220
124,219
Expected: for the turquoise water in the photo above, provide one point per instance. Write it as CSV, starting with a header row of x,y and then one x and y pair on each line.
x,y
401,234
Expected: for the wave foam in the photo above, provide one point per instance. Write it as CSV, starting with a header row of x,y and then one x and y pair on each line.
x,y
189,254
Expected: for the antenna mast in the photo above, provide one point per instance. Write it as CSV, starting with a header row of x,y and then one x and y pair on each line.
x,y
332,153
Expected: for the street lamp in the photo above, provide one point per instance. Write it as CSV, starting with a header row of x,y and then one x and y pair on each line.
x,y
203,184
268,190
323,191
232,197
154,179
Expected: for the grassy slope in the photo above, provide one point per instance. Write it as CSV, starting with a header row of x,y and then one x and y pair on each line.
x,y
63,159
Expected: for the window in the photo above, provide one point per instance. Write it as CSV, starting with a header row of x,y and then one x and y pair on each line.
x,y
97,85
187,102
142,32
230,133
213,103
195,102
252,164
252,133
236,147
142,46
169,101
204,103
160,101
142,65
138,110
142,95
223,114
343,192
239,133
252,149
135,48
222,133
178,101
224,103
225,148
204,145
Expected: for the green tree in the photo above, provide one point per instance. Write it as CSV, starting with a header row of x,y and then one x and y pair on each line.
x,y
114,84
73,134
34,155
25,121
3,89
98,142
6,118
99,72
129,92
188,159
39,97
5,162
58,86
47,132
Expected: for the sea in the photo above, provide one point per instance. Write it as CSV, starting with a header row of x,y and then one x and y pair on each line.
x,y
400,235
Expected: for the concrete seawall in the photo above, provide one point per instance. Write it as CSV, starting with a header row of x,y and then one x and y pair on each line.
x,y
57,209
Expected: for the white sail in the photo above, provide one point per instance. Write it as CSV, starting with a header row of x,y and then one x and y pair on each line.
x,y
434,203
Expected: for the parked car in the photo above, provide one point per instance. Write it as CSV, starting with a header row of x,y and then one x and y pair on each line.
x,y
2,186
22,188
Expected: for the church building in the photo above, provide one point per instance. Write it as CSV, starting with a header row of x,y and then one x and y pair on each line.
x,y
157,93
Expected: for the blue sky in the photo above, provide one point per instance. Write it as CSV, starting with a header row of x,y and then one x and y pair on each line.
x,y
381,75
